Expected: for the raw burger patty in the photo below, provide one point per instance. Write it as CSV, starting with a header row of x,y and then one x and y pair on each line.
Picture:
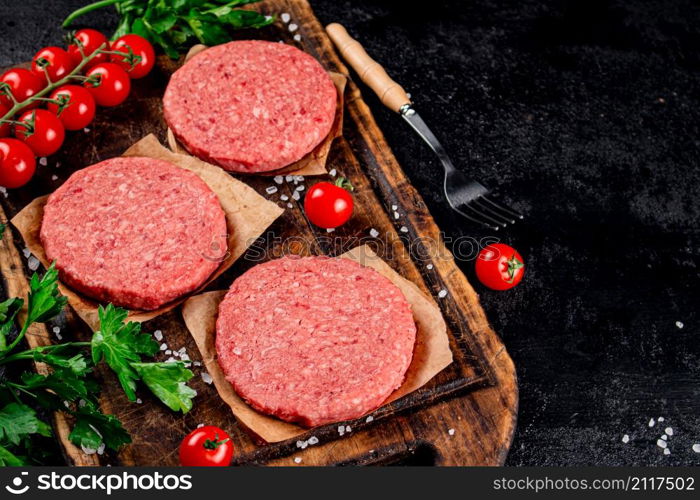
x,y
250,106
136,232
314,340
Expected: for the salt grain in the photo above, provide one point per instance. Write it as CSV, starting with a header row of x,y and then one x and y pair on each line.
x,y
289,205
197,363
271,190
86,130
669,431
26,253
295,195
661,443
369,419
341,429
285,17
696,447
679,324
158,335
88,451
278,179
101,449
139,400
54,177
330,229
42,161
207,378
313,440
403,229
300,188
429,266
625,439
442,293
199,426
284,197
293,27
168,352
652,423
289,178
664,437
163,346
333,172
237,351
661,419
396,215
451,432
373,233
297,460
56,329
33,263
297,37
667,451
170,360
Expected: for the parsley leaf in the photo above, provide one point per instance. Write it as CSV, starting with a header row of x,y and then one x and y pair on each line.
x,y
18,420
121,344
62,381
45,301
168,382
8,310
92,428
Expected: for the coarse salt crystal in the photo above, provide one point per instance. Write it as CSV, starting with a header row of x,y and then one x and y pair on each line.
x,y
297,37
295,195
300,443
289,205
293,27
369,419
56,329
298,178
451,432
237,351
396,215
185,357
54,177
139,400
664,437
284,197
661,443
403,229
348,429
696,447
285,17
197,363
300,188
333,172
158,335
297,460
341,429
313,440
101,449
271,190
86,129
442,293
669,431
679,324
278,179
429,266
289,178
667,451
625,439
163,346
33,263
170,360
394,207
199,426
168,352
330,229
373,233
42,161
661,419
652,423
207,378
26,253
88,451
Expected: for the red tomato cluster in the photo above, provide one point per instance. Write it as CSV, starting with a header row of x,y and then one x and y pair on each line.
x,y
70,106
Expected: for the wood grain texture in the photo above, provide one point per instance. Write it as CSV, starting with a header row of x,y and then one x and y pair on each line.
x,y
476,396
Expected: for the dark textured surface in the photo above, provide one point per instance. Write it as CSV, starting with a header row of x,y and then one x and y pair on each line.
x,y
585,115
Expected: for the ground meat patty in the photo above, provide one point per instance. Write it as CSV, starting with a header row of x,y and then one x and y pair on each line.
x,y
314,340
250,106
136,232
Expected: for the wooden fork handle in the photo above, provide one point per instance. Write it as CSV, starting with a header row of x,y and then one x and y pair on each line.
x,y
392,95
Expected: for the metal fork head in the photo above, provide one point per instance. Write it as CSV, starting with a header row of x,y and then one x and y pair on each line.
x,y
470,199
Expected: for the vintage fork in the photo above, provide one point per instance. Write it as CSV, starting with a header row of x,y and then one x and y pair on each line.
x,y
467,197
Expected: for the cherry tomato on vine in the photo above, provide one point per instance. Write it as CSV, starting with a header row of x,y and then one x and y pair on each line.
x,y
499,266
22,84
142,53
329,205
77,108
17,163
4,127
52,61
42,131
206,446
90,40
108,83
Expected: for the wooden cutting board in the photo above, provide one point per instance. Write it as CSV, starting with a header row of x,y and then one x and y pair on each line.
x,y
465,416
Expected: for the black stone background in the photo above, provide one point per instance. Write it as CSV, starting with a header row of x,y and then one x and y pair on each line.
x,y
586,116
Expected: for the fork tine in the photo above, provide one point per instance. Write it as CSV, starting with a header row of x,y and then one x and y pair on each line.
x,y
485,216
497,215
507,210
466,215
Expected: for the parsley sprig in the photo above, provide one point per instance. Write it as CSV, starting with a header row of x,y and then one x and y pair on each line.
x,y
176,25
69,385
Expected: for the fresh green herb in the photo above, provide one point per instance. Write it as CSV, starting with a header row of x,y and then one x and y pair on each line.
x,y
69,386
176,25
2,230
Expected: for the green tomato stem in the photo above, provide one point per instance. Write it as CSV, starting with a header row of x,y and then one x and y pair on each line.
x,y
88,8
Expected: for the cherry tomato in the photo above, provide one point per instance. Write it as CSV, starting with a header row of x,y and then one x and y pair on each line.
x,y
23,84
206,446
141,48
17,163
329,205
109,84
500,267
78,109
52,61
4,127
90,40
43,132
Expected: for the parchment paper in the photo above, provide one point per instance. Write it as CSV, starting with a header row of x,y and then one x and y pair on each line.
x,y
248,215
431,353
314,163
